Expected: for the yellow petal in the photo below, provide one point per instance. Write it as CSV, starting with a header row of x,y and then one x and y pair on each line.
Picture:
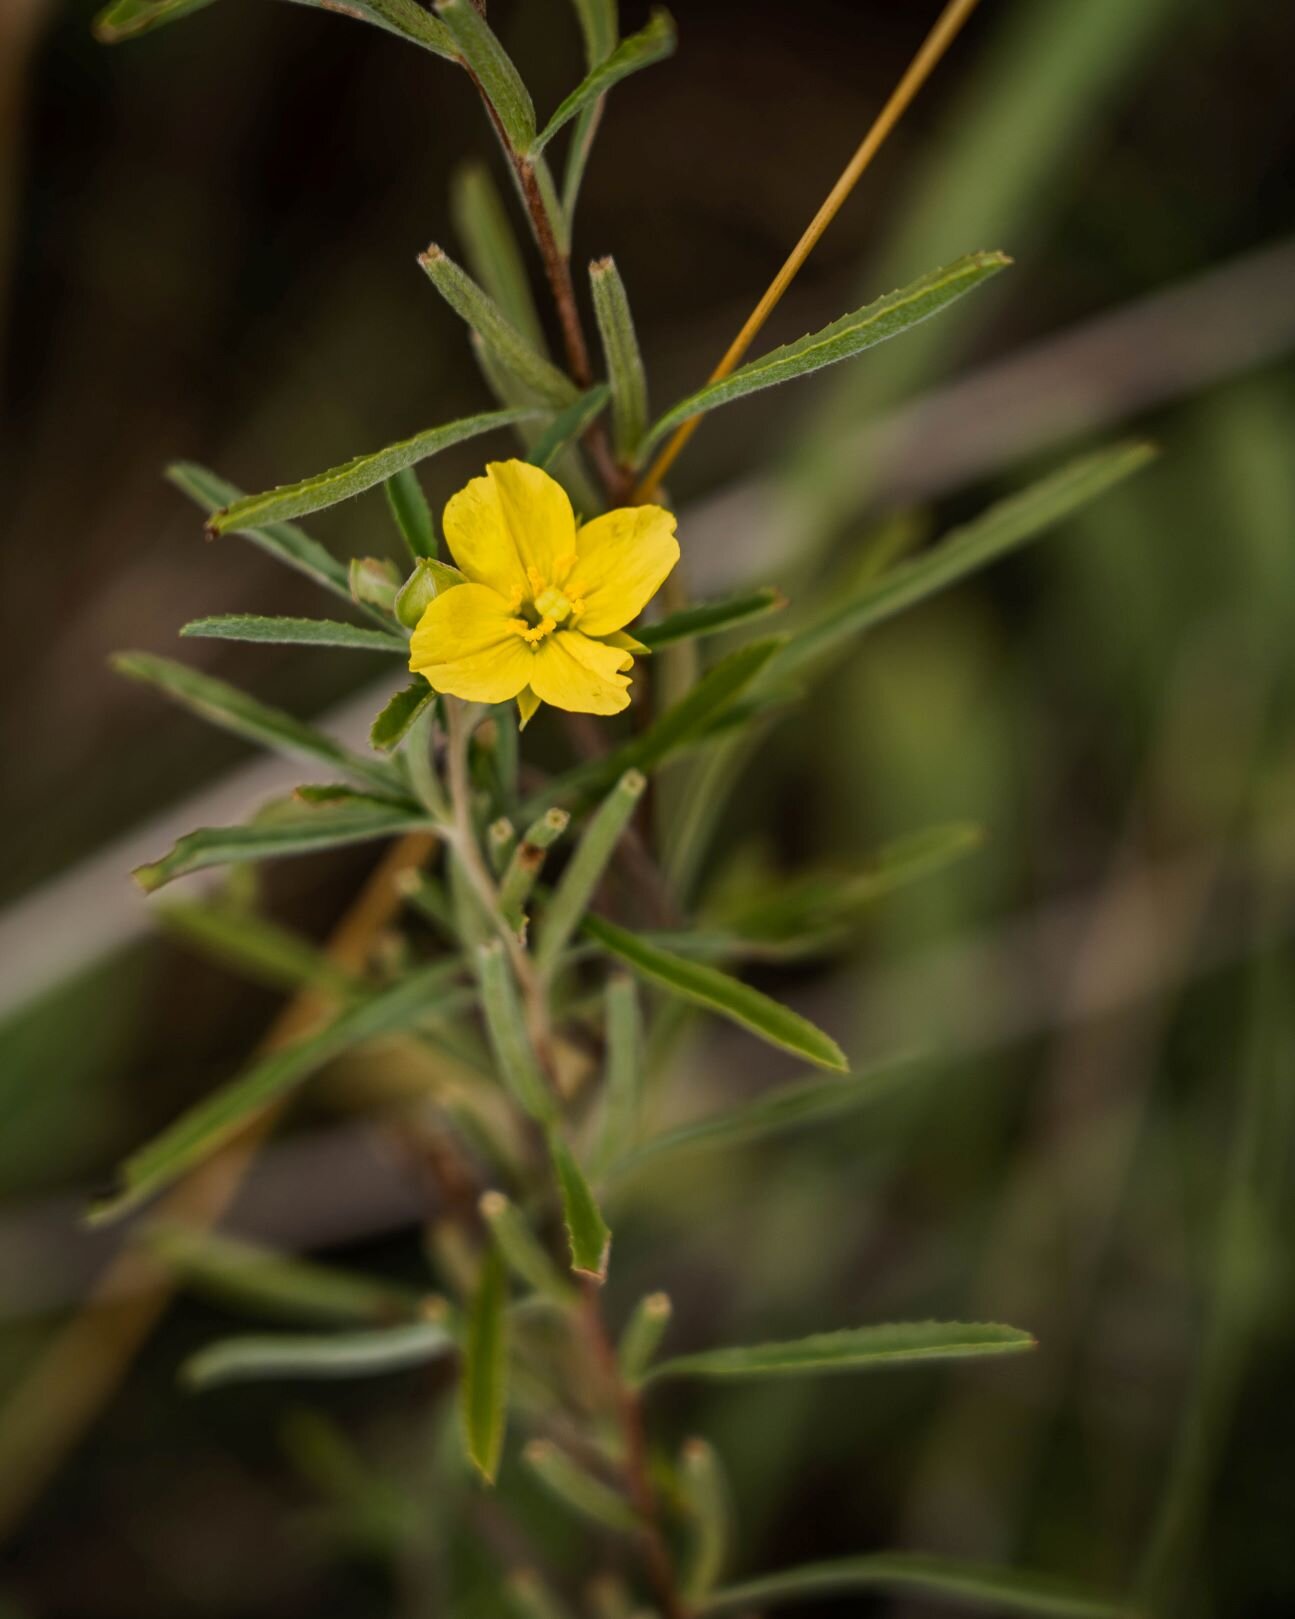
x,y
626,642
527,703
622,559
514,522
466,644
583,676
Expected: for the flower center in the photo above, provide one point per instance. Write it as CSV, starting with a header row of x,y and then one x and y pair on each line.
x,y
547,608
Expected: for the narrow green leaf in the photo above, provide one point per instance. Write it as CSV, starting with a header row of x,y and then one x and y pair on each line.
x,y
844,338
854,1349
642,1336
649,45
251,944
232,710
507,1030
568,426
709,1509
1005,526
718,992
218,1118
491,249
587,1232
623,1081
522,1251
491,65
294,632
483,1405
392,725
586,1495
710,618
125,19
340,1354
599,27
584,871
1004,1590
578,152
283,541
352,477
411,513
624,360
405,18
785,1107
526,863
474,306
284,828
256,1278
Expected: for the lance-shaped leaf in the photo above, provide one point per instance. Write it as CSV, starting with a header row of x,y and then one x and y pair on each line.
x,y
1002,1590
598,27
522,1250
709,1510
649,45
411,513
856,1349
584,871
568,426
283,541
474,306
276,1357
232,710
526,863
483,1378
587,1232
493,69
1005,526
507,1030
492,251
785,1107
218,1118
623,1081
252,944
642,1336
285,827
624,361
393,724
710,618
294,632
716,991
844,338
125,19
352,477
275,1284
579,1490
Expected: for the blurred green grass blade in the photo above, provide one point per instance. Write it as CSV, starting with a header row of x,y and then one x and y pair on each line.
x,y
706,986
642,1336
576,888
283,541
522,1250
126,19
1002,1590
588,1497
785,1107
209,1124
231,710
251,944
710,618
256,1278
875,323
289,828
708,1508
623,358
352,477
854,1349
568,426
474,306
392,725
411,513
651,44
509,1039
623,1081
490,63
294,632
279,1357
491,249
1005,526
484,1372
588,1234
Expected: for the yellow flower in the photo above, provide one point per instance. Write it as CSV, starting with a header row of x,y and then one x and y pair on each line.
x,y
540,615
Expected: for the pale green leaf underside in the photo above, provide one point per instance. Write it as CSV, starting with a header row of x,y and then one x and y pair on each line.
x,y
275,1357
355,476
209,1124
649,45
294,632
718,992
1002,1590
844,338
854,1349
